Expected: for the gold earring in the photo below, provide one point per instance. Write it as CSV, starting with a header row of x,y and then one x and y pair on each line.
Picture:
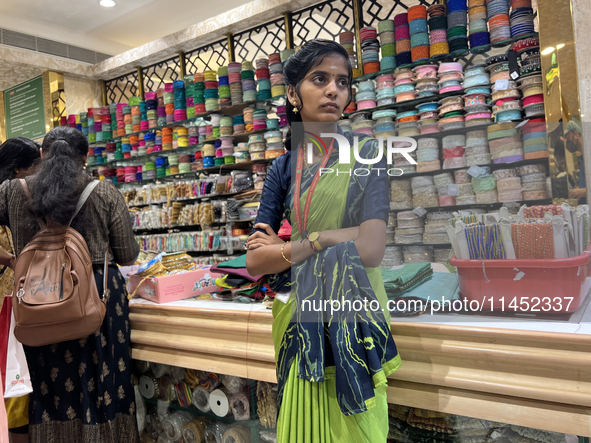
x,y
342,115
295,107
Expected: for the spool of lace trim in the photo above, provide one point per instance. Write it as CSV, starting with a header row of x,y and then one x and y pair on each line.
x,y
234,384
408,239
390,233
409,231
476,138
461,176
466,200
453,141
393,253
400,196
443,179
509,154
419,182
531,169
534,186
427,155
436,228
535,195
500,174
442,255
407,169
431,189
427,143
478,160
159,370
447,200
507,184
392,222
434,239
173,425
194,431
466,189
534,177
201,399
439,215
512,195
395,206
454,162
410,222
398,184
428,166
484,184
443,191
214,433
477,150
425,201
240,406
487,197
407,215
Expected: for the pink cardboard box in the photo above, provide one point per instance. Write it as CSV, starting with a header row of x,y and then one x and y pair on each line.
x,y
176,287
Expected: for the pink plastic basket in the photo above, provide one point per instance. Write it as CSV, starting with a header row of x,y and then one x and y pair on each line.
x,y
519,286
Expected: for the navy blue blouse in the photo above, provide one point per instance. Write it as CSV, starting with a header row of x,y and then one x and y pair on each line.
x,y
278,190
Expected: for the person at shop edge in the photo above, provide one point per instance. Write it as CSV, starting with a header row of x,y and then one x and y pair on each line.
x,y
338,235
574,135
82,389
19,158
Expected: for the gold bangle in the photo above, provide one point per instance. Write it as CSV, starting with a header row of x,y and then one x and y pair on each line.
x,y
283,254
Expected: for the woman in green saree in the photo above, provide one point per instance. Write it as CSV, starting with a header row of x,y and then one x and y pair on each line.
x,y
332,364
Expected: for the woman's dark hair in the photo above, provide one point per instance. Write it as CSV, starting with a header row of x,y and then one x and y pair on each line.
x,y
17,153
58,183
310,55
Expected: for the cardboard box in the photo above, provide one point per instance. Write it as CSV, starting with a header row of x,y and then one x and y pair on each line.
x,y
176,287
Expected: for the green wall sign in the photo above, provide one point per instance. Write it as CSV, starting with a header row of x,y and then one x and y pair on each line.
x,y
24,110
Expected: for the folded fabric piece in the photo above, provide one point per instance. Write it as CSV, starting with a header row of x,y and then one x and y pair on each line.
x,y
358,344
236,266
442,287
399,281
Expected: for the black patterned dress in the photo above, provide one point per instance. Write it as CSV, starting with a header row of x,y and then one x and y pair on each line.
x,y
86,381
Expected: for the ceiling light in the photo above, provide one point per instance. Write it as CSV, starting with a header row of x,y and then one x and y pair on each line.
x,y
548,50
107,3
560,46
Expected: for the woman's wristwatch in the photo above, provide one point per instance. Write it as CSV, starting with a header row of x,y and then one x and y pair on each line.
x,y
313,238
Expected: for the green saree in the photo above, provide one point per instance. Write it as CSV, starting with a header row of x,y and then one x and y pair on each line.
x,y
318,411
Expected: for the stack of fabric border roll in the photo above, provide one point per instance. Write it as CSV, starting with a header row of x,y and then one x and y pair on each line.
x,y
419,35
497,12
263,82
235,81
347,40
438,31
249,86
388,44
457,25
199,93
276,71
522,18
190,101
402,36
370,50
211,94
224,87
479,35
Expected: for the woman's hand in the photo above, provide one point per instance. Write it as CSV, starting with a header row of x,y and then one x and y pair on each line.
x,y
7,259
259,239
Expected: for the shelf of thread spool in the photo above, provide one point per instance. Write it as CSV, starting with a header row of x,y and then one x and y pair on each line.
x,y
187,200
229,111
489,206
493,167
185,228
449,57
189,175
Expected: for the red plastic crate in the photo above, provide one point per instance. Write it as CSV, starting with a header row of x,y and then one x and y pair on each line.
x,y
533,286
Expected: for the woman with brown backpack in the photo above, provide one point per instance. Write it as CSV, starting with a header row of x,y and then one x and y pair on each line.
x,y
82,389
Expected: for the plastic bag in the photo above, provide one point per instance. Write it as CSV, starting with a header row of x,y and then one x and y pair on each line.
x,y
17,381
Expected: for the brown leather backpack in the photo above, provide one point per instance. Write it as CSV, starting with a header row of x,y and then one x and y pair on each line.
x,y
57,297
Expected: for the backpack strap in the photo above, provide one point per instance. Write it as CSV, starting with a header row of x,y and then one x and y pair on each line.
x,y
83,197
81,201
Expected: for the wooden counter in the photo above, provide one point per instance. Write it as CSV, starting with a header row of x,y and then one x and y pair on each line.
x,y
535,379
